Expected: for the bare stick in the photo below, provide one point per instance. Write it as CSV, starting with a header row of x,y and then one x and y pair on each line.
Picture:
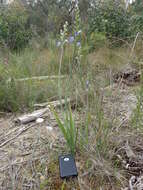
x,y
55,104
27,118
20,132
134,44
39,78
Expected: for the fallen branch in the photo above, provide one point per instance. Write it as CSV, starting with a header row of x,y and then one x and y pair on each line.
x,y
55,104
134,44
39,78
27,118
38,113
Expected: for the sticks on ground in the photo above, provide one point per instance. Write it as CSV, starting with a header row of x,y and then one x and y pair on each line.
x,y
55,104
27,118
39,78
22,130
24,119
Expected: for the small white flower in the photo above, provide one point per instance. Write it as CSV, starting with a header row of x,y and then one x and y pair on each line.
x,y
66,41
79,32
61,32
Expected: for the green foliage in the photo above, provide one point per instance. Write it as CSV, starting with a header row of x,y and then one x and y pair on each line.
x,y
96,40
111,19
49,16
73,41
8,96
18,96
137,7
44,184
137,120
14,30
137,16
68,129
108,17
84,131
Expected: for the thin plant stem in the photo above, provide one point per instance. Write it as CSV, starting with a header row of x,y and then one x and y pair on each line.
x,y
59,74
61,58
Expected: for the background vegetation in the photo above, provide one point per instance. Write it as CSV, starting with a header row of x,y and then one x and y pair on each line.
x,y
36,26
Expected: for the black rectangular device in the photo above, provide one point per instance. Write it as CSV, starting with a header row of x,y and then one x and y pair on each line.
x,y
67,166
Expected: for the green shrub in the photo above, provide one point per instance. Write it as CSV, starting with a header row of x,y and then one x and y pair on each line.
x,y
137,18
18,96
96,40
14,29
8,96
110,19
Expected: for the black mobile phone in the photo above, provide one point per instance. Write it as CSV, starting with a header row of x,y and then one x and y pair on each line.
x,y
67,166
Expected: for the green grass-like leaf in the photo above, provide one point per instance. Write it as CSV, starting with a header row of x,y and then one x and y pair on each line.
x,y
68,129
